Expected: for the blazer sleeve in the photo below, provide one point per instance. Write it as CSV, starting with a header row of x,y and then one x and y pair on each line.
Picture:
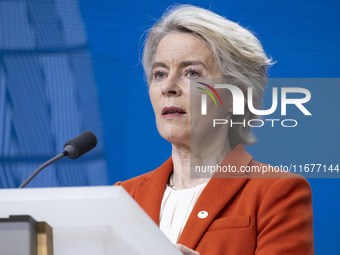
x,y
285,219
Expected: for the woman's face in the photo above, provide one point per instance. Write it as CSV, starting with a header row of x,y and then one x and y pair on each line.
x,y
180,58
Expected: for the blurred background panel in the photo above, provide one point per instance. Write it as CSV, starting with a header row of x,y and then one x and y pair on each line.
x,y
48,94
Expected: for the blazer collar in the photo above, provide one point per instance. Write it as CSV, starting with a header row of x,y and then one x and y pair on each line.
x,y
151,190
219,191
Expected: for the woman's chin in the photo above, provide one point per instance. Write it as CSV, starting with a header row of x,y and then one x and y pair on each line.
x,y
177,138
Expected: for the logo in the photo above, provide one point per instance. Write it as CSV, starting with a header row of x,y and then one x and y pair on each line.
x,y
204,97
239,102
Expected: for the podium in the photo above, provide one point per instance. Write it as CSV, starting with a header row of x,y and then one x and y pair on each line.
x,y
89,220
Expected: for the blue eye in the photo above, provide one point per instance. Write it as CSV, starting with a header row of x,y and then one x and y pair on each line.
x,y
193,74
159,75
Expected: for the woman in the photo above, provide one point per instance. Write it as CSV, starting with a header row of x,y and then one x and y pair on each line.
x,y
237,215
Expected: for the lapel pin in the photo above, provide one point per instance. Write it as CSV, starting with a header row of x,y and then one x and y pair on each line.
x,y
202,214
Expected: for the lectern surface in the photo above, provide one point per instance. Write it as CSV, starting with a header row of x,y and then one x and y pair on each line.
x,y
89,220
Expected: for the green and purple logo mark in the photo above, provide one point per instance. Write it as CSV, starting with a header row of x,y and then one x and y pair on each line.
x,y
204,97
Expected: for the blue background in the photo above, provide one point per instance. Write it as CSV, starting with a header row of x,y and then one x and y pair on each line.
x,y
301,36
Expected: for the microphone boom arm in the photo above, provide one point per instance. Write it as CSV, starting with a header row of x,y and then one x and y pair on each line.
x,y
74,148
47,163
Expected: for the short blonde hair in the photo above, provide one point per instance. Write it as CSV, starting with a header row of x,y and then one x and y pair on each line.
x,y
236,51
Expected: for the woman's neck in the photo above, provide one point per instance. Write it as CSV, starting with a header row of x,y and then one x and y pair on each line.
x,y
184,158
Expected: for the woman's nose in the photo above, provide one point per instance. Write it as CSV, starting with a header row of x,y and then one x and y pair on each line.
x,y
171,86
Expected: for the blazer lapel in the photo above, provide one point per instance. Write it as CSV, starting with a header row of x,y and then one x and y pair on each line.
x,y
150,191
216,196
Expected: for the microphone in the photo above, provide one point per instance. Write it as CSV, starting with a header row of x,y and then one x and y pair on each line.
x,y
73,149
80,145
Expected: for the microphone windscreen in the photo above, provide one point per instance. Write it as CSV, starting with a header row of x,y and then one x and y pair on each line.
x,y
80,145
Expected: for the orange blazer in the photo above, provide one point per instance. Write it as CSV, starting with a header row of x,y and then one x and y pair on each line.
x,y
246,215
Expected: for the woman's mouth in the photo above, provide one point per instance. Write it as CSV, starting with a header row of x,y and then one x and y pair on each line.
x,y
172,112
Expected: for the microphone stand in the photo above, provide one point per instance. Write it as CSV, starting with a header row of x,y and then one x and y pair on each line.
x,y
73,149
47,163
